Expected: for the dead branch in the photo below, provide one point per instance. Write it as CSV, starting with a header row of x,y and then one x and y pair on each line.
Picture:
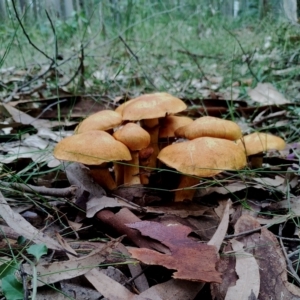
x,y
68,192
27,36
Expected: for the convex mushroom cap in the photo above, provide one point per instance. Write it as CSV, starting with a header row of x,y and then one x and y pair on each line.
x,y
102,120
91,148
210,126
258,142
148,109
151,106
203,157
133,136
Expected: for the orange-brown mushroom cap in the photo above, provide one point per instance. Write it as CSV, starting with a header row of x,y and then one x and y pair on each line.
x,y
102,120
210,126
91,148
204,157
257,142
133,136
151,106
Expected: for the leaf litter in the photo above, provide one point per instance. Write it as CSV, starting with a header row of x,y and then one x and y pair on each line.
x,y
182,254
159,233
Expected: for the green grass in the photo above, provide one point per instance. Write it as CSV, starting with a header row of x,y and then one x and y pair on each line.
x,y
163,37
157,33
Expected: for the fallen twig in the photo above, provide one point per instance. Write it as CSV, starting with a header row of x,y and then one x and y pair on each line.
x,y
230,236
55,192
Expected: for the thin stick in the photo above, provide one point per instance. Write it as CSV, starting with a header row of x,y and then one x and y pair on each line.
x,y
54,33
63,192
248,61
246,232
140,208
26,35
137,60
79,69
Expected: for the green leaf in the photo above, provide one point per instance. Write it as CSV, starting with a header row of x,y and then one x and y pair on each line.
x,y
8,268
37,250
12,288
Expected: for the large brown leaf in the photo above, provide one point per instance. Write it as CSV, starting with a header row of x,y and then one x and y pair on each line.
x,y
192,260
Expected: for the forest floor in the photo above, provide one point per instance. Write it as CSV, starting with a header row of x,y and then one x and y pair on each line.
x,y
66,237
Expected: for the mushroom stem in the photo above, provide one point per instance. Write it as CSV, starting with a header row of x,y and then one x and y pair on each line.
x,y
119,173
256,160
185,190
152,127
102,176
132,171
144,156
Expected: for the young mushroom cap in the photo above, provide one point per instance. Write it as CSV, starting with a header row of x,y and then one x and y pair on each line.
x,y
258,142
212,127
133,136
152,106
102,120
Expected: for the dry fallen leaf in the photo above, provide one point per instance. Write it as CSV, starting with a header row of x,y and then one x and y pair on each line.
x,y
176,289
277,181
248,273
223,190
179,209
192,260
24,228
96,204
102,283
57,271
264,248
265,93
291,205
25,119
220,233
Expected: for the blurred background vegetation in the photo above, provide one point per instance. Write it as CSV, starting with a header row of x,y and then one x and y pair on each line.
x,y
140,46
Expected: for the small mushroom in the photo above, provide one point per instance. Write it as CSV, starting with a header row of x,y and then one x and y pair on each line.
x,y
94,148
136,139
103,120
201,157
256,143
210,126
148,109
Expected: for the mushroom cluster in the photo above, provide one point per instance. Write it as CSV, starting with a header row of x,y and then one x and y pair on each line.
x,y
145,129
134,125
